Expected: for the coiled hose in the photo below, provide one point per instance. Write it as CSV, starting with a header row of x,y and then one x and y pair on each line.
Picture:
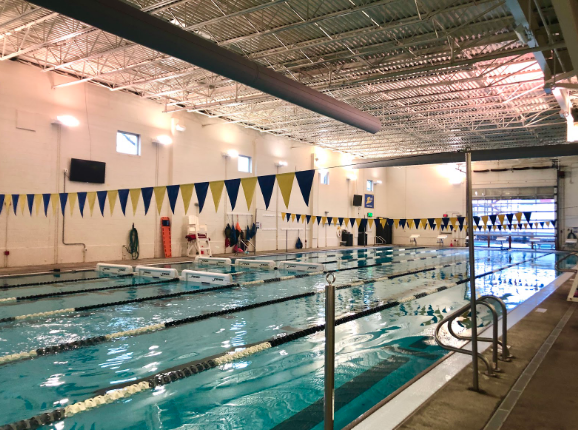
x,y
133,246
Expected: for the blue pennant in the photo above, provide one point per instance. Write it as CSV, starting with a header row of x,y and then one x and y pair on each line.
x,y
101,195
63,200
318,220
30,198
340,220
81,202
147,194
15,198
266,183
201,188
232,186
1,202
123,199
46,201
305,181
308,218
172,194
298,216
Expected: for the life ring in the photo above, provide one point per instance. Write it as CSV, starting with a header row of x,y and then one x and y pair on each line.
x,y
338,231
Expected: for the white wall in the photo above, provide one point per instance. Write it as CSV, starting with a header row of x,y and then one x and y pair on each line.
x,y
33,162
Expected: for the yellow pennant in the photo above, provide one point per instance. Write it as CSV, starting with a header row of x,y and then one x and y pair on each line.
x,y
525,225
21,201
8,200
324,220
547,223
160,196
453,221
501,218
217,191
370,222
72,197
357,221
438,222
519,217
396,223
37,202
292,217
283,217
410,223
91,197
346,221
485,219
249,185
383,221
285,182
134,196
495,227
54,201
112,194
303,218
187,194
423,223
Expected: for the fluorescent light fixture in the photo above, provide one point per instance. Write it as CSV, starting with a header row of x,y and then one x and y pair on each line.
x,y
232,153
377,182
281,164
67,120
164,139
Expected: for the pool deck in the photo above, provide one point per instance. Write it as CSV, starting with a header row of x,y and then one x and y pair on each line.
x,y
536,390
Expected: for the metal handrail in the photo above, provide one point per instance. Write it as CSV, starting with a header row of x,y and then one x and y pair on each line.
x,y
504,343
449,319
557,266
381,239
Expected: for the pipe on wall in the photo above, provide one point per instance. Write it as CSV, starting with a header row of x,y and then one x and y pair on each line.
x,y
126,21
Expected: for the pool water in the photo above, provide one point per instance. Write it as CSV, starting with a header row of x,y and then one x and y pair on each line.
x,y
279,388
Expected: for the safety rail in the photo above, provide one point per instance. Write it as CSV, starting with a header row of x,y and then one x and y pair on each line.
x,y
494,339
558,268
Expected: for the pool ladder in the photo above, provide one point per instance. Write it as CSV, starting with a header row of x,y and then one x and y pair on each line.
x,y
491,369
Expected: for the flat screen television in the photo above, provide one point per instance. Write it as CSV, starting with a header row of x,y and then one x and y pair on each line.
x,y
87,171
357,199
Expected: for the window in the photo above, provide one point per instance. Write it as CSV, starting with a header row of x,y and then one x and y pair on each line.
x,y
370,186
324,177
127,143
244,164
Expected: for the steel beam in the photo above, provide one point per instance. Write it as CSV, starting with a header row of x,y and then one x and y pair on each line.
x,y
130,23
567,13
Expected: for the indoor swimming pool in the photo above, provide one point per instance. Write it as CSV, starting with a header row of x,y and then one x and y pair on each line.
x,y
388,302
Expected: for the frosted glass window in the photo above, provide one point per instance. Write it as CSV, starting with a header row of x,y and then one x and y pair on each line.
x,y
127,143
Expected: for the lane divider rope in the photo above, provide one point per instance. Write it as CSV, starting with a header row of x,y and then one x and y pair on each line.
x,y
62,281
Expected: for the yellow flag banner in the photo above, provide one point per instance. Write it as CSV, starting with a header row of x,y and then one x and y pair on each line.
x,y
8,200
112,194
525,225
91,197
547,223
283,215
37,202
134,196
345,221
249,185
159,196
187,194
54,200
216,190
453,221
370,222
501,218
72,197
292,217
410,223
396,223
285,182
357,221
324,220
518,216
438,222
303,219
485,219
382,221
423,223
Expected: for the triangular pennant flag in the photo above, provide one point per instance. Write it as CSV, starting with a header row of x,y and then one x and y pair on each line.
x,y
37,203
81,202
112,200
346,221
266,183
15,198
46,200
329,219
318,220
402,222
453,221
288,217
390,222
518,216
510,218
494,227
527,215
445,222
134,196
431,222
249,185
305,182
323,220
476,220
363,224
525,225
292,217
461,220
22,203
351,221
186,194
147,194
500,227
30,198
340,221
160,197
72,201
303,219
416,222
383,221
123,199
542,224
173,194
451,227
63,200
370,221
201,189
298,217
101,195
410,223
547,223
531,224
54,203
438,222
1,203
308,218
485,219
285,183
91,197
501,218
232,187
358,221
553,223
493,219
283,215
